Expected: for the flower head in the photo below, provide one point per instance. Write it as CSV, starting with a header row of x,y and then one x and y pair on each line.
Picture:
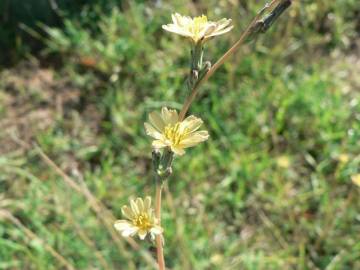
x,y
168,131
198,29
343,158
283,162
140,219
356,179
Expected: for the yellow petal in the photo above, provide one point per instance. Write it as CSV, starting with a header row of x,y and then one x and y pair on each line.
x,y
177,150
209,29
222,24
156,121
140,204
191,123
194,139
356,179
129,231
152,132
183,20
159,144
147,202
217,33
151,215
122,225
126,211
170,117
175,19
176,30
134,207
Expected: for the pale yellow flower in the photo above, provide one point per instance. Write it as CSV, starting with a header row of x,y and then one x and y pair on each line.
x,y
168,131
356,179
140,220
198,28
344,158
283,162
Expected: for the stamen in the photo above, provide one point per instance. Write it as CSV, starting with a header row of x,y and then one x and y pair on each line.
x,y
142,221
173,133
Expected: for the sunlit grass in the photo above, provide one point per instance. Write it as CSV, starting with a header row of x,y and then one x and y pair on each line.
x,y
270,189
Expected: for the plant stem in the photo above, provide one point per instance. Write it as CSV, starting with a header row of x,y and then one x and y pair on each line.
x,y
159,241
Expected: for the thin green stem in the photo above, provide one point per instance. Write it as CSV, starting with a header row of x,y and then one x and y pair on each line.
x,y
159,241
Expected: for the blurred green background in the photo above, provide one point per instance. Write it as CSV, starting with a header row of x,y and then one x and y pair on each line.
x,y
271,189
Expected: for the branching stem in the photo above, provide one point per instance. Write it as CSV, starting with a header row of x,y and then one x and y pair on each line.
x,y
246,34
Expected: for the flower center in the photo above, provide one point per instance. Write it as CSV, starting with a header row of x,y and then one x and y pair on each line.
x,y
142,221
174,134
198,25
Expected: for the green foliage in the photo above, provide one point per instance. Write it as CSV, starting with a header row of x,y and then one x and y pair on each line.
x,y
271,189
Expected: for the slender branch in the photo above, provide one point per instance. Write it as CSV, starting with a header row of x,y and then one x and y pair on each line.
x,y
162,169
158,202
159,241
283,4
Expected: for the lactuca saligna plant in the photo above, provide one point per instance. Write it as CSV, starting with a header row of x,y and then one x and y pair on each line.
x,y
172,131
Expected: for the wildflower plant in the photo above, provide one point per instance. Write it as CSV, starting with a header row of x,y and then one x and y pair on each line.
x,y
172,131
